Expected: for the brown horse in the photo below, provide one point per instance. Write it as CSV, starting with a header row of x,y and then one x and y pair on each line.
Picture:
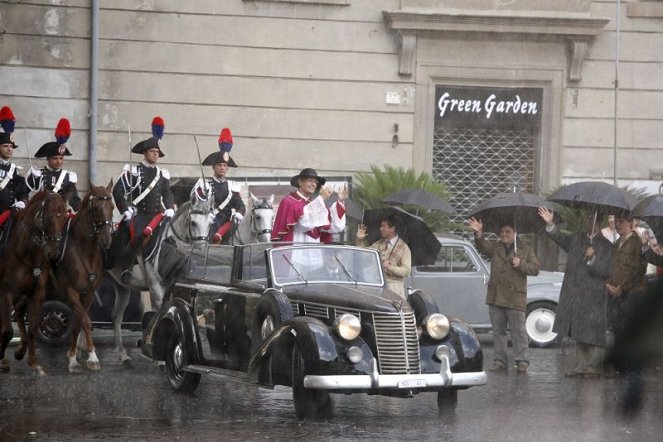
x,y
81,269
24,271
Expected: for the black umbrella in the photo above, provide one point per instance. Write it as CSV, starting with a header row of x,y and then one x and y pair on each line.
x,y
518,209
412,229
419,197
650,210
595,196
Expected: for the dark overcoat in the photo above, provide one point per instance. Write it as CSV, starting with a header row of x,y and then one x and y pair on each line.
x,y
507,286
628,271
581,311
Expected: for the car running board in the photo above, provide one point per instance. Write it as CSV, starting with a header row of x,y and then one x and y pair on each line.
x,y
219,373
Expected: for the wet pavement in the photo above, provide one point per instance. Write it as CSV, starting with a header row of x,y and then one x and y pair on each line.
x,y
138,404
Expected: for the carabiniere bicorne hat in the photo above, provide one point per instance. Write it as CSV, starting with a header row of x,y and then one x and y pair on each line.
x,y
58,147
307,173
7,121
154,141
223,155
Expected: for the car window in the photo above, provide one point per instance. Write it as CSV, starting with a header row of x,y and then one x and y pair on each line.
x,y
451,259
321,264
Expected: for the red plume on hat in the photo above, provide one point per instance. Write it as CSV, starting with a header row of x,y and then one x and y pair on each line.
x,y
158,127
7,119
62,131
225,140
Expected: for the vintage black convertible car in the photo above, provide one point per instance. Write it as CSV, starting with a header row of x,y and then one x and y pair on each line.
x,y
317,318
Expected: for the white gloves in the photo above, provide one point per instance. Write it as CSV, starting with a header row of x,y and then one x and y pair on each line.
x,y
237,217
34,172
129,213
169,213
20,205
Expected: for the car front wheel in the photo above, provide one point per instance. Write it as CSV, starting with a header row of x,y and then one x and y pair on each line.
x,y
56,322
308,402
180,380
539,324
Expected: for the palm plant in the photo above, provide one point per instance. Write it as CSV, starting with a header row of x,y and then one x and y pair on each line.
x,y
370,188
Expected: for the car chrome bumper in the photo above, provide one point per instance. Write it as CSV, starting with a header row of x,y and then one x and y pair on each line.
x,y
445,378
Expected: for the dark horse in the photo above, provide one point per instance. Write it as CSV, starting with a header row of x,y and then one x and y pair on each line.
x,y
81,269
24,271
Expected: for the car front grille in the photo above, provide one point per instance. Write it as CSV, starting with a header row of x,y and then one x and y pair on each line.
x,y
395,334
397,343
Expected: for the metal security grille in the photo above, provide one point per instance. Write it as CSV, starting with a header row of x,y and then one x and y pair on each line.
x,y
476,163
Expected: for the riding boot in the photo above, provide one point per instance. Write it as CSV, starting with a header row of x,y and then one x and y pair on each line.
x,y
128,265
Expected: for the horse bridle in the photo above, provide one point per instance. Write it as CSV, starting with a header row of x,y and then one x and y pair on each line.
x,y
39,218
198,212
98,225
262,205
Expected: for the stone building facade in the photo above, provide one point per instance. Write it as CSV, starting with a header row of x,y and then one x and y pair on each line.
x,y
487,95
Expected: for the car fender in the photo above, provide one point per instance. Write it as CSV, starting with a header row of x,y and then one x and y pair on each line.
x,y
270,364
543,292
173,318
467,346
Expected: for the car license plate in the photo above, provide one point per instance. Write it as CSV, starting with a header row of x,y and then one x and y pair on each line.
x,y
412,383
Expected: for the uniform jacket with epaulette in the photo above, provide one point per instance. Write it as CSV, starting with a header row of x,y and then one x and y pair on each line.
x,y
50,179
132,184
224,205
12,186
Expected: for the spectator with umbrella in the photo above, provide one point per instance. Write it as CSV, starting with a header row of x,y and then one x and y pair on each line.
x,y
395,253
627,279
507,291
582,301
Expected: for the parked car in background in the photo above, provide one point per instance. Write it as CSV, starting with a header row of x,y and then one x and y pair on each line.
x,y
317,318
457,281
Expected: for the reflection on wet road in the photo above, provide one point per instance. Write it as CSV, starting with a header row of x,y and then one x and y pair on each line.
x,y
138,404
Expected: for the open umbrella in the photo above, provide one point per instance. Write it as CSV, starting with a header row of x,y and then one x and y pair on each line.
x,y
419,197
412,229
595,196
518,209
650,210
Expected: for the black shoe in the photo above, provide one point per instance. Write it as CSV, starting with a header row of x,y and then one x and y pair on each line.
x,y
126,276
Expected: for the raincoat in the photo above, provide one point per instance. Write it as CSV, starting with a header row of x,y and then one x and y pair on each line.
x,y
581,311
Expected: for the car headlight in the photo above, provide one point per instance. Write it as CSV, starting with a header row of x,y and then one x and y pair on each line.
x,y
348,326
437,326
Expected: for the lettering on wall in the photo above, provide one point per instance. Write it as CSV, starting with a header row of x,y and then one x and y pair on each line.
x,y
481,106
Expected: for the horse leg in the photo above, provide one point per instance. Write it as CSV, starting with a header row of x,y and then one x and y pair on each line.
x,y
122,296
34,309
22,347
153,281
83,320
74,366
6,329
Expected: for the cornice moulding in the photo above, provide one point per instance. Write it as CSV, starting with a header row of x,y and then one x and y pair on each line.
x,y
511,22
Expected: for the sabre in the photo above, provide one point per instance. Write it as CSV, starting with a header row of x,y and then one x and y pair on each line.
x,y
131,190
200,161
27,147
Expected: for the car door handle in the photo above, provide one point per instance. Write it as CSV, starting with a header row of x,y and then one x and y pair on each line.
x,y
485,279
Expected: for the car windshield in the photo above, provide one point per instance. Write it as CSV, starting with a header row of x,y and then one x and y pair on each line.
x,y
325,264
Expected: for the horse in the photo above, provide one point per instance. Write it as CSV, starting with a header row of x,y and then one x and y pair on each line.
x,y
260,221
24,272
79,273
190,224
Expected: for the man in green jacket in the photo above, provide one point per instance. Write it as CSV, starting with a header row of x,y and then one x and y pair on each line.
x,y
507,292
